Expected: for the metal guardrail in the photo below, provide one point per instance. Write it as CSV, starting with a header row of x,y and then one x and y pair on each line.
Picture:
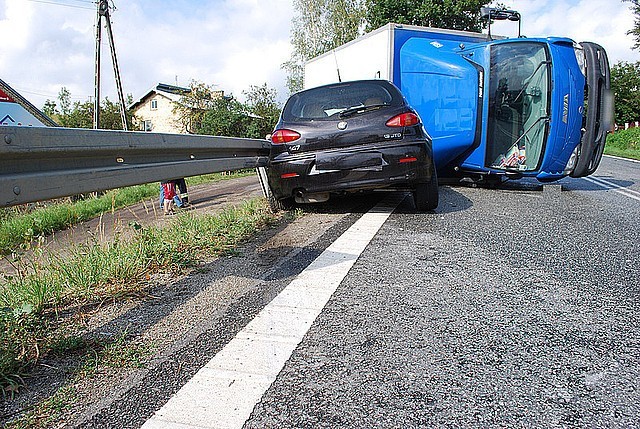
x,y
42,163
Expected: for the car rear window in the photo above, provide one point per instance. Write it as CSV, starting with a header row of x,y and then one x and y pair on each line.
x,y
329,102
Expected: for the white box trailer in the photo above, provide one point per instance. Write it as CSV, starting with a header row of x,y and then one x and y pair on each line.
x,y
439,83
368,57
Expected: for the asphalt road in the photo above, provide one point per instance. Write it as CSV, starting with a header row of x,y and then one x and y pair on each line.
x,y
507,308
511,307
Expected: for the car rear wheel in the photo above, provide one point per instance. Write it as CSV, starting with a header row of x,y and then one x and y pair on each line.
x,y
425,195
277,205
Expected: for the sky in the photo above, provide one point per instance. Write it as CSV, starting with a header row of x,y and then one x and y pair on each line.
x,y
232,44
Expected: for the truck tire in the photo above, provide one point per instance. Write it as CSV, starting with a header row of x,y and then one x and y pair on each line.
x,y
598,111
425,195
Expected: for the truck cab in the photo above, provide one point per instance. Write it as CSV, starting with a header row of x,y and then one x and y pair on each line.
x,y
494,107
540,115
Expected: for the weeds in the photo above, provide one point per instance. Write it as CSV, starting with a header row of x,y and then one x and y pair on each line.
x,y
48,411
624,143
19,333
19,226
95,272
119,351
122,352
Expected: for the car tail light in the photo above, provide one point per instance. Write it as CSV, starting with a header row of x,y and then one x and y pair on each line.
x,y
284,136
289,175
403,120
408,159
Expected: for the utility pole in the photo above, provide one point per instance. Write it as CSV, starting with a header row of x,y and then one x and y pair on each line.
x,y
103,12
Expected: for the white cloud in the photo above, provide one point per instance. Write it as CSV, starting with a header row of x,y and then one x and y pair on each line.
x,y
14,27
605,22
46,48
233,44
230,43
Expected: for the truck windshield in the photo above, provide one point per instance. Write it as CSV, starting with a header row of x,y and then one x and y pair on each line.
x,y
519,94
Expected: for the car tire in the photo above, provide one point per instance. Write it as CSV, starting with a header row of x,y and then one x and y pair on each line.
x,y
425,195
277,205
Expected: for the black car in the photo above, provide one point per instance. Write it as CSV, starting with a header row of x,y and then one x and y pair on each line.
x,y
348,137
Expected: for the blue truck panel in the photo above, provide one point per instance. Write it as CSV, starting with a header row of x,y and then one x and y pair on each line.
x,y
443,88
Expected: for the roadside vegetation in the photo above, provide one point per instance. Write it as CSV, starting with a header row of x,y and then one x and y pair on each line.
x,y
624,143
43,288
20,226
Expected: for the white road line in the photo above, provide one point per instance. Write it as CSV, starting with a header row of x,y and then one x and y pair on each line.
x,y
224,392
630,193
623,159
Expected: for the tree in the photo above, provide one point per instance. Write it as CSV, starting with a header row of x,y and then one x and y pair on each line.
x,y
64,97
49,108
635,32
450,14
193,105
226,117
204,110
264,110
317,27
80,114
625,84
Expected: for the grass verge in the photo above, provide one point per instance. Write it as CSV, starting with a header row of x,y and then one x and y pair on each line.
x,y
21,225
119,351
30,300
624,143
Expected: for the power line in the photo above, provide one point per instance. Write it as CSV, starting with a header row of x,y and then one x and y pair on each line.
x,y
54,96
64,4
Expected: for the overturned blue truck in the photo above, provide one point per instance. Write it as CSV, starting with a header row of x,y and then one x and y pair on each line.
x,y
494,107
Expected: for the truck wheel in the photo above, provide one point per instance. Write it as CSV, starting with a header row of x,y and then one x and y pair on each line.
x,y
425,195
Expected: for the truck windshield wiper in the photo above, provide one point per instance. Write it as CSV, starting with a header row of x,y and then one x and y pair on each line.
x,y
524,87
360,109
541,118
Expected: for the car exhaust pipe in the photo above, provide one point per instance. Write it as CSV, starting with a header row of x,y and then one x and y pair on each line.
x,y
302,198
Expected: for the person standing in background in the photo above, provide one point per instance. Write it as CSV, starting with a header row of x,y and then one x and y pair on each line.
x,y
182,190
169,192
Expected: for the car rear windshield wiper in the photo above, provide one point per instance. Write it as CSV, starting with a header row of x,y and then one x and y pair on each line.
x,y
360,109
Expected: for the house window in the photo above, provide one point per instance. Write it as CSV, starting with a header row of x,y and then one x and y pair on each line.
x,y
147,125
154,104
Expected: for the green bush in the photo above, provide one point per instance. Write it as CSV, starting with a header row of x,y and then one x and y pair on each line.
x,y
625,143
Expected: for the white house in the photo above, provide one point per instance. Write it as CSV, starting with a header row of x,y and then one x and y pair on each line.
x,y
154,110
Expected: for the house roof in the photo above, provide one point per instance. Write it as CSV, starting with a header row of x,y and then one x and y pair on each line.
x,y
171,92
10,95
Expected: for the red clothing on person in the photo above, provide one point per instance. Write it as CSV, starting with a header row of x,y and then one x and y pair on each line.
x,y
169,189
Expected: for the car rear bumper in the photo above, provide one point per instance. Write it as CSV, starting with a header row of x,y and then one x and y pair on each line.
x,y
388,165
